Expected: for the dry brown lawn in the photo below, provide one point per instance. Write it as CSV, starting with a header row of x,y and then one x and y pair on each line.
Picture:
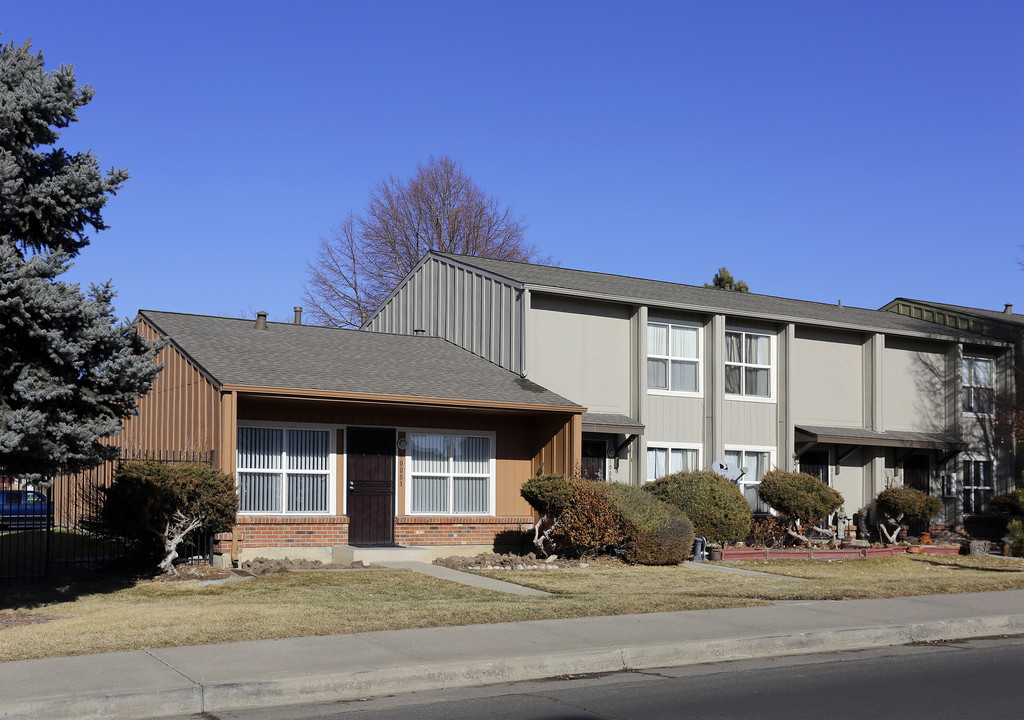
x,y
150,614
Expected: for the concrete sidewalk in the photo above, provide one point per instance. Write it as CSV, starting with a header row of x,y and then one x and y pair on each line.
x,y
210,678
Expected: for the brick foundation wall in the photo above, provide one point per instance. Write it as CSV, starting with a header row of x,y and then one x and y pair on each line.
x,y
257,532
415,530
322,532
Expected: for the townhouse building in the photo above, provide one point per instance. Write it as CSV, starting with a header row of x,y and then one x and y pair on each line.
x,y
677,377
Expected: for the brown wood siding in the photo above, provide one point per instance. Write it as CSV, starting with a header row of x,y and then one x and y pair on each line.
x,y
524,442
181,412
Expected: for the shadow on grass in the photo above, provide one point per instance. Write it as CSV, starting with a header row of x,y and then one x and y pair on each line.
x,y
973,568
65,584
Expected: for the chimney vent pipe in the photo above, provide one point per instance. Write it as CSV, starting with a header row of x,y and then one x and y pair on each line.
x,y
1008,309
298,314
261,320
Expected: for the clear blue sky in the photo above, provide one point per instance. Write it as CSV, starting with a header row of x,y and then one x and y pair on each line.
x,y
821,150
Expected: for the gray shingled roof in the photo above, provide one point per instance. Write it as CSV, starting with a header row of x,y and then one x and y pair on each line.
x,y
996,315
308,357
611,423
711,300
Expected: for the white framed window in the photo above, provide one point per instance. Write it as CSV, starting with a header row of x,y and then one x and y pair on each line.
x,y
285,470
673,358
450,474
756,461
977,487
749,359
670,458
977,388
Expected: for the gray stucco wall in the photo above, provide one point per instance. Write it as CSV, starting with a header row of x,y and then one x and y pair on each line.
x,y
914,380
828,372
582,350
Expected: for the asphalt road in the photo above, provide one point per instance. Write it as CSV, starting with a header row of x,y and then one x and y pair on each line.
x,y
971,679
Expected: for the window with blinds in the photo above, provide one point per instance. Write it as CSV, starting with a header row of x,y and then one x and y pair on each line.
x,y
283,470
450,474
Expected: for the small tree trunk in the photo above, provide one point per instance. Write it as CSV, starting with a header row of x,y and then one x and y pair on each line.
x,y
174,532
884,532
794,526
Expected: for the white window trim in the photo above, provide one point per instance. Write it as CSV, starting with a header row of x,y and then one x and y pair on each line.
x,y
699,392
670,446
332,466
992,387
772,462
962,479
492,468
773,366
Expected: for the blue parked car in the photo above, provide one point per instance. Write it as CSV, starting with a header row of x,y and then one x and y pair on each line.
x,y
23,509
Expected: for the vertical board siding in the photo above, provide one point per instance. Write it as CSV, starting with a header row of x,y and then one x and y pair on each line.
x,y
465,306
679,419
750,423
181,412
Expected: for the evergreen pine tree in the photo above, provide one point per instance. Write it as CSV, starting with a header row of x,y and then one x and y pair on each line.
x,y
69,372
724,280
50,198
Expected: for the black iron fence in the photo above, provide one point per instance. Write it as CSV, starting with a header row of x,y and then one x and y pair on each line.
x,y
49,528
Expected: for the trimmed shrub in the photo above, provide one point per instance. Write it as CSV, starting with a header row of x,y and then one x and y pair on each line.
x,y
799,496
653,532
1015,532
715,506
1011,503
588,525
153,506
547,494
908,503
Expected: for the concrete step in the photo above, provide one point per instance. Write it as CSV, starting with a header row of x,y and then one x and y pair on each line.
x,y
348,554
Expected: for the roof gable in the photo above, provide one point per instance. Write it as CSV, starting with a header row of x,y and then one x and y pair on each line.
x,y
333,360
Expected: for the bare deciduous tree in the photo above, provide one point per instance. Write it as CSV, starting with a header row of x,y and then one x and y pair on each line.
x,y
438,208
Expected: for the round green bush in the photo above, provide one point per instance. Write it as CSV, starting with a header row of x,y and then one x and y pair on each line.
x,y
653,532
907,503
799,496
716,507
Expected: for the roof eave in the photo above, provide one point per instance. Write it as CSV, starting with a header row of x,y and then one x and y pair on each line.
x,y
448,403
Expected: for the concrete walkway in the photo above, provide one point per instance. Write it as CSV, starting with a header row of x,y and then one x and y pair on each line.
x,y
267,673
463,578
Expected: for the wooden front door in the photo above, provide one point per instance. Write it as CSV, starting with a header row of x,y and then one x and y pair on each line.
x,y
371,486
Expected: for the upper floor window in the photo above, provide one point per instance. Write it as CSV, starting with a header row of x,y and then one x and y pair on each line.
x,y
283,470
673,357
976,392
748,364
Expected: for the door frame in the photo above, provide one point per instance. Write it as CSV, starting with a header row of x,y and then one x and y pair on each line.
x,y
348,486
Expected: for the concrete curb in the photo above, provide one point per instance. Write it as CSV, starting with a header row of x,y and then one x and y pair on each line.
x,y
192,697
